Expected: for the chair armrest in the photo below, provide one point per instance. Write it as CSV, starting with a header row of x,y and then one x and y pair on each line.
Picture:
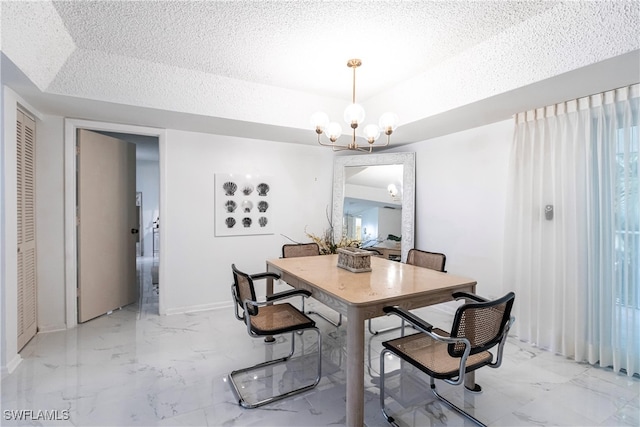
x,y
498,360
468,295
280,295
426,328
289,293
265,275
409,317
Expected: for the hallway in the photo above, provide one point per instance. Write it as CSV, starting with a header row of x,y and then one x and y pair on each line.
x,y
148,286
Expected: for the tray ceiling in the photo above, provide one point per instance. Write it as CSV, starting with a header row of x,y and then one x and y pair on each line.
x,y
261,68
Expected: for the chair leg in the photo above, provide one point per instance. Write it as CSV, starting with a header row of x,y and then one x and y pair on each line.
x,y
387,417
382,331
336,324
392,421
454,407
322,316
236,390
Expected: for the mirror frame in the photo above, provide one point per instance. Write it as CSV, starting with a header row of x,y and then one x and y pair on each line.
x,y
408,161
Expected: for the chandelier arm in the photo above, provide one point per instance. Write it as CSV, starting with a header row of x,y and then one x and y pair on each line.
x,y
340,148
336,147
324,143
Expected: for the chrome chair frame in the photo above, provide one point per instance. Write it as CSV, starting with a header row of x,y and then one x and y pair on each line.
x,y
426,328
249,306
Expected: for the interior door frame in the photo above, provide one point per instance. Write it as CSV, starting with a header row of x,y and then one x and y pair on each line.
x,y
70,185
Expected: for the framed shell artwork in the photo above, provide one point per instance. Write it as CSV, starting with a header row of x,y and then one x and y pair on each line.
x,y
243,204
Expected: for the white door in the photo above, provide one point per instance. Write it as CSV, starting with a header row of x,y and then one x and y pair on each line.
x,y
107,224
27,285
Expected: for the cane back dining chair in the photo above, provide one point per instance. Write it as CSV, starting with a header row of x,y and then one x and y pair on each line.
x,y
433,260
478,326
307,249
265,319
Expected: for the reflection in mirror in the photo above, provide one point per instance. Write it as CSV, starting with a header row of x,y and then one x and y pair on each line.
x,y
374,201
372,211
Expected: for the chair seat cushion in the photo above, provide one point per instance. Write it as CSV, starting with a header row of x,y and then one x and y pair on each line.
x,y
278,319
431,356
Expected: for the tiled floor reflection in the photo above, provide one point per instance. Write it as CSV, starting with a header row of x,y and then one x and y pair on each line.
x,y
136,368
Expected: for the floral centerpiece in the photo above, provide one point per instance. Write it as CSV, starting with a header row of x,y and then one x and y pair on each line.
x,y
328,244
326,241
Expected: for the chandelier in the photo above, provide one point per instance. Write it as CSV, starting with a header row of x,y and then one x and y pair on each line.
x,y
354,116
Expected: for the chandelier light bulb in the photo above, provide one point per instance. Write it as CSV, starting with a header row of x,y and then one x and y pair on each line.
x,y
319,120
388,122
354,115
371,132
334,130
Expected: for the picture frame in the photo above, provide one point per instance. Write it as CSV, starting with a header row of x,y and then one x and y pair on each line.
x,y
243,204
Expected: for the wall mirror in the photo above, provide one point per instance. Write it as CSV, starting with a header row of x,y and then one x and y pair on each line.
x,y
374,201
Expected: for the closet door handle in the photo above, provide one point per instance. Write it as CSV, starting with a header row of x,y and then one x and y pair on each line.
x,y
134,231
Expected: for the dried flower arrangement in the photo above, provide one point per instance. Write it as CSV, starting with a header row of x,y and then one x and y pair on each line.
x,y
327,243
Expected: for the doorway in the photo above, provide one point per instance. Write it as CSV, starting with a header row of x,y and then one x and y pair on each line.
x,y
148,203
71,250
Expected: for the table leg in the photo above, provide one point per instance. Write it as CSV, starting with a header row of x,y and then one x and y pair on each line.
x,y
355,367
470,378
269,286
470,382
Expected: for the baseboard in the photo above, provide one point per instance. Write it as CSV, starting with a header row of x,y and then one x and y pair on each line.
x,y
200,307
11,366
52,328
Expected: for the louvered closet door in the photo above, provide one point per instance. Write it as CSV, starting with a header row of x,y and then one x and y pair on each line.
x,y
27,309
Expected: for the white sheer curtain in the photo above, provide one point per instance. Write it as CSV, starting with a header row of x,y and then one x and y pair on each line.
x,y
572,232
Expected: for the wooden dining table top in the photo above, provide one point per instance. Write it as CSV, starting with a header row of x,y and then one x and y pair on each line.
x,y
387,281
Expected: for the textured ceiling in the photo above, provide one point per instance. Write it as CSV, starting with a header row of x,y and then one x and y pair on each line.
x,y
300,45
259,69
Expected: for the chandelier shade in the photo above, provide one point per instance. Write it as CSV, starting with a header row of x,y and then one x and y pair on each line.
x,y
354,116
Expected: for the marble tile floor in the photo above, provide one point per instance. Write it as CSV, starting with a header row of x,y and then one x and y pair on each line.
x,y
135,368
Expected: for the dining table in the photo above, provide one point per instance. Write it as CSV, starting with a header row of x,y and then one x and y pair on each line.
x,y
363,295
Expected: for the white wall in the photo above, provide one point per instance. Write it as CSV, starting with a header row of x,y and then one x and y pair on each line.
x,y
370,226
9,326
49,223
197,263
389,222
461,184
4,350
